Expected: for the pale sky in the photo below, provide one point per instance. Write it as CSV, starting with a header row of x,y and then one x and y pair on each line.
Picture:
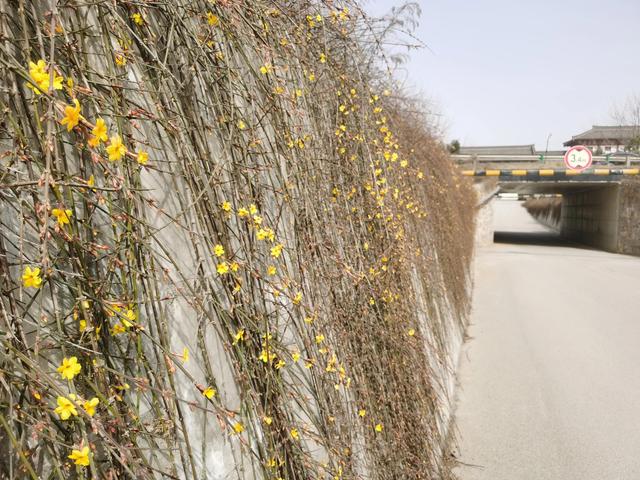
x,y
506,72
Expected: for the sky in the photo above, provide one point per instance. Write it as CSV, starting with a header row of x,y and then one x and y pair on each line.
x,y
513,72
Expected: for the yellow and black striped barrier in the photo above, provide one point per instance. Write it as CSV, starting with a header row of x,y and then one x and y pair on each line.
x,y
552,173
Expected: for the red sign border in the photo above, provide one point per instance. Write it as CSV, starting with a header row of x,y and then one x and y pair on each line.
x,y
578,147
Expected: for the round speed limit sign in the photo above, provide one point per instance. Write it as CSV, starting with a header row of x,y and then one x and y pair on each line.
x,y
578,158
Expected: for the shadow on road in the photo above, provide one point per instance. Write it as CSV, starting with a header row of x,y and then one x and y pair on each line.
x,y
548,239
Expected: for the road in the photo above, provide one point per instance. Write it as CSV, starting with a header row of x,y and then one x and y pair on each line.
x,y
550,378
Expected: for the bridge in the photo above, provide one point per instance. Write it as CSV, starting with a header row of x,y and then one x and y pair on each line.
x,y
600,205
554,174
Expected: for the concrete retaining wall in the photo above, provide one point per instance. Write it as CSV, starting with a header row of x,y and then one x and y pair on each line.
x,y
485,191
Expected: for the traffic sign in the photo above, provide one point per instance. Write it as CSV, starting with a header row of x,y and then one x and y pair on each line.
x,y
578,158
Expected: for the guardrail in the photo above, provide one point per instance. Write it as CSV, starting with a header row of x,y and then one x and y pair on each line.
x,y
548,173
541,158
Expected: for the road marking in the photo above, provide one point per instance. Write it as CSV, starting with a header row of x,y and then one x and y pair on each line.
x,y
601,171
518,173
547,173
493,173
631,171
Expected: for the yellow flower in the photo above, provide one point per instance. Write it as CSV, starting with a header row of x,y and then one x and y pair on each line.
x,y
143,157
90,406
298,298
69,368
100,130
295,356
39,75
212,19
267,420
234,266
265,233
323,58
62,215
226,206
65,408
379,427
271,270
276,250
209,392
128,317
294,433
238,427
82,326
218,250
222,268
121,60
116,148
241,125
266,68
118,329
71,115
253,209
99,133
185,355
238,336
362,412
31,278
137,18
243,212
92,181
319,339
80,457
411,332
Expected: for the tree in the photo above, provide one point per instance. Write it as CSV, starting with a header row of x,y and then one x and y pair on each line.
x,y
454,146
628,114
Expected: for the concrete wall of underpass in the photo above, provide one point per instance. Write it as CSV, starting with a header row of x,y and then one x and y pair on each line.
x,y
629,218
591,216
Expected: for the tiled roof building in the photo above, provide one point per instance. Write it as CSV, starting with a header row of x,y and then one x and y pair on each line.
x,y
607,139
499,150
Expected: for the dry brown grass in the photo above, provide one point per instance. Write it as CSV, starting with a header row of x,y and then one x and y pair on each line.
x,y
547,207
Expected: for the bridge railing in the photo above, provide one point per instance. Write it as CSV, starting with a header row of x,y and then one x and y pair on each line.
x,y
541,159
553,174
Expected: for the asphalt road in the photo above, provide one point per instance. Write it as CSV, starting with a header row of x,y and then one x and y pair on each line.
x,y
550,378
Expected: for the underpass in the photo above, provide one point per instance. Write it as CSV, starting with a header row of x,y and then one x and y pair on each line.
x,y
599,205
548,380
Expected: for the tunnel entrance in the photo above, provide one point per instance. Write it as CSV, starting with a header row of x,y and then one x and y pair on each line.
x,y
556,213
512,223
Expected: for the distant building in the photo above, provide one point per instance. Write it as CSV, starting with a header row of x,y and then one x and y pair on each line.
x,y
499,150
606,139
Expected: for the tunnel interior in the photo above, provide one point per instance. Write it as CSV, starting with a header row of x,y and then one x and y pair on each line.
x,y
588,215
